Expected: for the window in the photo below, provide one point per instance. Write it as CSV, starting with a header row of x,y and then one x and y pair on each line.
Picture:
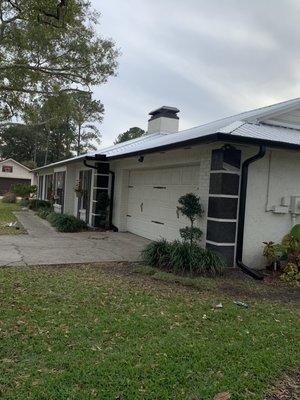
x,y
49,189
40,187
7,168
59,187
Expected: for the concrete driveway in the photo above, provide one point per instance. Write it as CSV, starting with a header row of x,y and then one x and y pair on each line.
x,y
43,245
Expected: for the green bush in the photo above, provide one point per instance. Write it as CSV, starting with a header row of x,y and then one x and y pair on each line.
x,y
182,257
295,232
52,217
9,198
287,253
291,273
36,204
157,254
190,206
24,203
23,190
65,222
44,212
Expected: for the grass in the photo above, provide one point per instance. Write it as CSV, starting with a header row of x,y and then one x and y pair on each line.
x,y
6,215
83,333
195,282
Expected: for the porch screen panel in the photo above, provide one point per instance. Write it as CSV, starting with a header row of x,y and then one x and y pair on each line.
x,y
59,188
49,188
40,187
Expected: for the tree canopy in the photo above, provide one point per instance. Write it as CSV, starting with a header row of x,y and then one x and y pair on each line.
x,y
132,133
51,56
49,47
85,113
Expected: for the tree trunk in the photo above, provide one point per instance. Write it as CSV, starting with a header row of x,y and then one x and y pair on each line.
x,y
79,140
47,148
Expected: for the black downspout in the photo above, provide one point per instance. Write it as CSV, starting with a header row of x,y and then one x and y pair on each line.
x,y
242,209
112,193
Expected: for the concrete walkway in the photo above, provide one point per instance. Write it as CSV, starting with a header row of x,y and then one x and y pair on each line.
x,y
43,245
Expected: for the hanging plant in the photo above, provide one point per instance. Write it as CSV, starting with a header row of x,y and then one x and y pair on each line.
x,y
78,188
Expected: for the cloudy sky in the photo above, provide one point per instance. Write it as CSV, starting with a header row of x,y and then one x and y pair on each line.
x,y
208,58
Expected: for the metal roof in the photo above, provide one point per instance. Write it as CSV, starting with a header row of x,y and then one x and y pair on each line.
x,y
248,126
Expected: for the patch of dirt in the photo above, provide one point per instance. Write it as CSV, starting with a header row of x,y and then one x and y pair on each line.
x,y
287,389
233,283
236,284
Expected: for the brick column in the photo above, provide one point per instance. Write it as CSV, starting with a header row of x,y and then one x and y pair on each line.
x,y
223,202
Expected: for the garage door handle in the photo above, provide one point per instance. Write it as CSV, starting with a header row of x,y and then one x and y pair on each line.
x,y
142,206
177,212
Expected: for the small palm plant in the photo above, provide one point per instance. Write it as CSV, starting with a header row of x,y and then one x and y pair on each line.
x,y
190,207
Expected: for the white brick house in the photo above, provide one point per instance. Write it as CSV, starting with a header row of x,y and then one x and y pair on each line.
x,y
247,200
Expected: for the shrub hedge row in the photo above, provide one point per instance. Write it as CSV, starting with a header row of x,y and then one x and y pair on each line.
x,y
65,222
182,257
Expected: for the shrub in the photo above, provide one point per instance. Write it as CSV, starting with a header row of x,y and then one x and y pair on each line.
x,y
9,198
36,204
295,232
190,206
65,222
44,212
24,203
214,263
195,260
291,273
157,254
183,258
23,190
52,217
287,253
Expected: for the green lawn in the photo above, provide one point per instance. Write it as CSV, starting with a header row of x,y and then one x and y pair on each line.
x,y
6,215
90,333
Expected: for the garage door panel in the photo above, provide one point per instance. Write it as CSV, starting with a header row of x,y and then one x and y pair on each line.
x,y
158,192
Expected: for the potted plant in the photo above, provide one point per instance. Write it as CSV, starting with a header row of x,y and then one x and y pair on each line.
x,y
274,253
78,189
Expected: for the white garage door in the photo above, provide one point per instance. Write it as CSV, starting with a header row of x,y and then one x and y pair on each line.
x,y
153,200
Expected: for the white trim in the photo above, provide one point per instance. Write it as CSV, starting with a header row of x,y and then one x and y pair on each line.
x,y
221,219
60,169
224,171
16,162
220,244
225,196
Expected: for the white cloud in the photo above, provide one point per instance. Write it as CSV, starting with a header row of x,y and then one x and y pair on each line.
x,y
209,58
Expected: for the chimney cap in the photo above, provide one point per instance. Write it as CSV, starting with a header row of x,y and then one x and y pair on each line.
x,y
164,111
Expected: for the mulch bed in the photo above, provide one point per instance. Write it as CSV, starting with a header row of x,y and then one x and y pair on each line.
x,y
287,389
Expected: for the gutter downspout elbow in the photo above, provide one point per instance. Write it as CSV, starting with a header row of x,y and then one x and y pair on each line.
x,y
242,210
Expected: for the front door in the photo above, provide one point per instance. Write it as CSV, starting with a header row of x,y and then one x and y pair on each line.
x,y
83,209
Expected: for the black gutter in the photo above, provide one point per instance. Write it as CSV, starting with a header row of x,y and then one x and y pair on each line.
x,y
112,187
242,209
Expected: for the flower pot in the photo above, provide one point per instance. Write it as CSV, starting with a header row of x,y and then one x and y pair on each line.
x,y
78,194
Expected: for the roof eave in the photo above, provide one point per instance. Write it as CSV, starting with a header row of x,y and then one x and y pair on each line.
x,y
215,137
